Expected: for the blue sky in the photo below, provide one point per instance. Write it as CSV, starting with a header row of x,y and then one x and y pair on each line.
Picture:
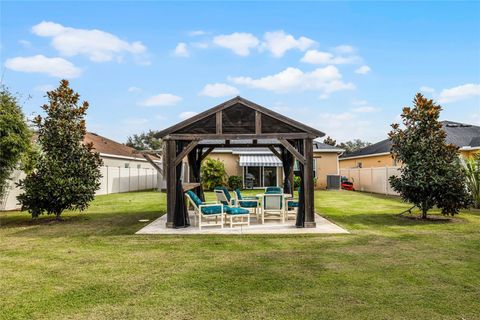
x,y
344,68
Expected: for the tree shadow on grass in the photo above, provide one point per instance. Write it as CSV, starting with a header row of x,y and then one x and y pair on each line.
x,y
80,224
389,220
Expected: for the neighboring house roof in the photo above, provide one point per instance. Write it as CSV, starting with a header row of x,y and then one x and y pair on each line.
x,y
107,146
460,134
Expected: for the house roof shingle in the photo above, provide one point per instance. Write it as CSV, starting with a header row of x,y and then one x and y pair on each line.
x,y
459,134
108,146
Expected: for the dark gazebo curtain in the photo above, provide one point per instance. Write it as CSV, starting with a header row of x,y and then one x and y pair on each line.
x,y
287,162
300,223
195,163
180,218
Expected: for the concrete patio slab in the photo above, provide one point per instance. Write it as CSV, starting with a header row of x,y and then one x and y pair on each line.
x,y
323,226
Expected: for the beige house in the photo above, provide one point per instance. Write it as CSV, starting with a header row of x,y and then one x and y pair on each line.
x,y
267,169
465,136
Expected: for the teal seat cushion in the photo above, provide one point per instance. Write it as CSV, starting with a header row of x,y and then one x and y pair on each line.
x,y
194,197
239,195
217,209
274,190
235,210
292,204
248,204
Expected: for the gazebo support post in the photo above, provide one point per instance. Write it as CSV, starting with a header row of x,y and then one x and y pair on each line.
x,y
171,180
308,184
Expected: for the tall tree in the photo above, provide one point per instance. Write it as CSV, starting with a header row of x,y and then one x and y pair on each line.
x,y
67,172
144,141
328,140
14,136
353,145
431,173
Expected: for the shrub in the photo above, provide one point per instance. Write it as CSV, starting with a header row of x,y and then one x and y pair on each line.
x,y
472,172
213,174
235,182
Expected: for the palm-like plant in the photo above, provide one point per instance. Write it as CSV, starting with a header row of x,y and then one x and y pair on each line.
x,y
472,172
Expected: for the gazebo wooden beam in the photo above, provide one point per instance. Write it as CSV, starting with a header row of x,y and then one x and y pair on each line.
x,y
153,163
292,150
275,152
185,151
171,180
206,153
239,145
258,122
233,136
308,184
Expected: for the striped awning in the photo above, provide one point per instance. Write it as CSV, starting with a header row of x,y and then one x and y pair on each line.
x,y
259,160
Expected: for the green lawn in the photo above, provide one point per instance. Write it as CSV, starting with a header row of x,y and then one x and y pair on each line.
x,y
92,266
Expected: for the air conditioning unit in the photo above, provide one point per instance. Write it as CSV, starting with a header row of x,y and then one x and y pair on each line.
x,y
333,182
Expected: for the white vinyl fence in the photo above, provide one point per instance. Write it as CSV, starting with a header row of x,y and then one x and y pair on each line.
x,y
372,179
114,180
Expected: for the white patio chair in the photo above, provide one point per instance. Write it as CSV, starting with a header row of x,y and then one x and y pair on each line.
x,y
223,196
273,207
207,211
252,204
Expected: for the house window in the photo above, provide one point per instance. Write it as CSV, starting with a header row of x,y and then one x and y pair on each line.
x,y
359,165
139,166
127,165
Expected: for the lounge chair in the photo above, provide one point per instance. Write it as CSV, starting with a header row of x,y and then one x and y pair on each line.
x,y
206,211
249,203
291,206
273,207
223,196
233,215
275,190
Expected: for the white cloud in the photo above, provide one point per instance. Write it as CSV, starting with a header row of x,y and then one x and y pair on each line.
x,y
135,121
187,114
334,124
344,49
336,117
216,90
26,44
358,102
278,42
426,89
162,99
55,67
326,79
199,45
97,45
239,43
462,92
181,50
363,70
365,109
44,88
196,33
322,57
362,106
134,89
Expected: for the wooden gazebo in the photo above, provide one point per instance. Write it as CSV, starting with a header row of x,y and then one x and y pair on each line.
x,y
238,123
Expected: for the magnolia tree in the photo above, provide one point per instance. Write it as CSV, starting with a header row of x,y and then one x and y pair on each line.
x,y
67,171
14,136
431,173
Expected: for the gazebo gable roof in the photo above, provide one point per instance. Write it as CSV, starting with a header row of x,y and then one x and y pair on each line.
x,y
207,119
